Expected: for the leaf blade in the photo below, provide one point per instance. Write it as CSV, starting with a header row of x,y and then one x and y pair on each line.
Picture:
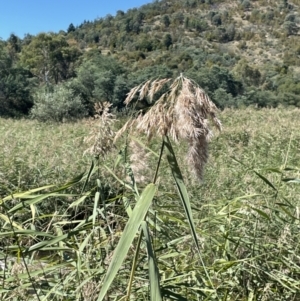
x,y
155,291
127,237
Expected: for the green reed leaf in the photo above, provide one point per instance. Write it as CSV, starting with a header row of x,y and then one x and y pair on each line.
x,y
155,292
138,214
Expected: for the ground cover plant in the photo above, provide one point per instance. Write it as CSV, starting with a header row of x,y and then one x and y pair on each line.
x,y
58,241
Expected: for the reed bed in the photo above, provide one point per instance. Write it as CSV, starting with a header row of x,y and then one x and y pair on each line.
x,y
59,242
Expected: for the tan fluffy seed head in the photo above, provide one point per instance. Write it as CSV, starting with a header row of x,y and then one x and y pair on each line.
x,y
102,136
183,112
144,90
131,94
139,162
156,86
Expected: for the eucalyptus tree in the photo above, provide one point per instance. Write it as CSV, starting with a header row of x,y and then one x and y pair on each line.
x,y
50,58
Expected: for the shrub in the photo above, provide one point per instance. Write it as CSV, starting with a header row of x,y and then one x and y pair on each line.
x,y
246,4
58,105
216,20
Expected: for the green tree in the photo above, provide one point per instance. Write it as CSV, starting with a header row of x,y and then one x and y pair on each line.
x,y
16,83
27,39
96,79
178,19
249,75
50,58
104,86
261,98
167,41
246,4
223,99
144,44
218,81
59,104
284,4
14,46
166,21
290,28
216,20
289,99
71,28
142,75
120,91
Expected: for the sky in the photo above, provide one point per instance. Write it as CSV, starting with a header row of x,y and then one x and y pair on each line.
x,y
34,16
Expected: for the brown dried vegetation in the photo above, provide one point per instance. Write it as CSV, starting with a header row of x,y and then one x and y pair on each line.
x,y
101,137
182,112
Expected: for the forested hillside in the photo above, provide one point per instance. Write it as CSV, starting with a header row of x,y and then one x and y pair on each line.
x,y
242,52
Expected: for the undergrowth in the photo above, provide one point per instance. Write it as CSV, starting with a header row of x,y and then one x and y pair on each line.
x,y
58,242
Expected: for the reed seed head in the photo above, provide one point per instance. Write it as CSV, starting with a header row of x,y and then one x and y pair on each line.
x,y
102,136
183,112
139,162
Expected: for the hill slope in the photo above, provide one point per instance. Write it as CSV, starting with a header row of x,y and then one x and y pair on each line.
x,y
240,52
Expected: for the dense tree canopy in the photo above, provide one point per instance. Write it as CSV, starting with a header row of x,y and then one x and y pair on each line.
x,y
240,52
50,58
16,83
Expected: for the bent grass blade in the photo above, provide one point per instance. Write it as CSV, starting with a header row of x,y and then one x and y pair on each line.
x,y
184,198
138,214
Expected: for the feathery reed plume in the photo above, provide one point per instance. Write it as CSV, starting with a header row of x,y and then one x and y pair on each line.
x,y
103,135
181,113
139,162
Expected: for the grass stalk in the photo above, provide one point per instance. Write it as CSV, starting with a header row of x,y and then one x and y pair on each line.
x,y
21,252
182,191
133,267
159,161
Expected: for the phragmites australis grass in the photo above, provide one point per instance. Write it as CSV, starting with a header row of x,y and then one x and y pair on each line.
x,y
101,137
182,112
139,162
